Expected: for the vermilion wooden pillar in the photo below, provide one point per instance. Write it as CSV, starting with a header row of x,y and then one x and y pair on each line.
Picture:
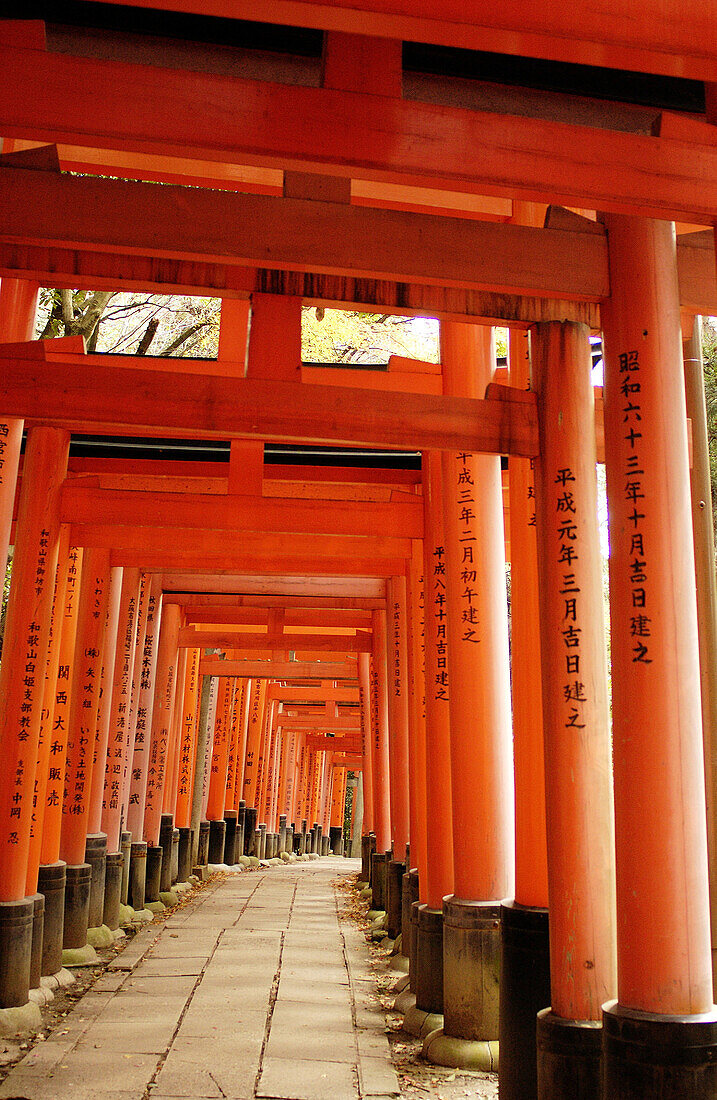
x,y
380,751
663,930
164,688
118,744
49,879
145,592
85,876
253,747
575,713
396,614
480,722
143,726
109,652
525,951
218,776
417,726
364,679
18,304
22,681
188,742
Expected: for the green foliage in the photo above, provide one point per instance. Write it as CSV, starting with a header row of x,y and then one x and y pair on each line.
x,y
364,339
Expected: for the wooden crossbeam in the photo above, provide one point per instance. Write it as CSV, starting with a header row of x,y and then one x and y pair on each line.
x,y
262,585
324,694
279,670
402,519
342,724
258,616
296,604
329,643
206,116
674,38
298,235
84,394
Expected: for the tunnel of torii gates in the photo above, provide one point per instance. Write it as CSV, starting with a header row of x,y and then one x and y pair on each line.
x,y
197,653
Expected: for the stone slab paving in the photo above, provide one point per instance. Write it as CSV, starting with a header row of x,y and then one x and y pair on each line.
x,y
252,991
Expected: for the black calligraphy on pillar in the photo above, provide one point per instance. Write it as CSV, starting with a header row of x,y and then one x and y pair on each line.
x,y
441,616
574,692
634,494
465,500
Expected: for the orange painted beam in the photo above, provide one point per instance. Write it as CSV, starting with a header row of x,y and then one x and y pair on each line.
x,y
326,693
141,402
235,640
280,670
676,39
292,604
206,116
262,585
81,505
233,565
259,616
297,234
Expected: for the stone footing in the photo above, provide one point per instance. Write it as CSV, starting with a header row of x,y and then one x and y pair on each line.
x,y
250,831
78,882
230,838
16,920
524,991
114,867
447,1050
51,883
126,850
166,834
665,1057
175,855
96,856
203,849
368,847
570,1059
137,874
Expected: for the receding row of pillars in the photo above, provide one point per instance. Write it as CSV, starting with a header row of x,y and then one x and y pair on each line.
x,y
556,906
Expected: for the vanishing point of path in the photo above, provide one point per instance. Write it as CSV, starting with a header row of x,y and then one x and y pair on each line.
x,y
254,989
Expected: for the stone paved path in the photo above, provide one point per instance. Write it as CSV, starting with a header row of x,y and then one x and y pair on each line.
x,y
253,990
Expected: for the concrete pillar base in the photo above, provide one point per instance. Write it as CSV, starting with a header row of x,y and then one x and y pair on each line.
x,y
409,894
184,855
137,873
51,883
19,1020
368,847
217,836
78,882
38,922
429,960
569,1058
663,1057
401,983
471,969
524,991
289,840
126,849
16,921
114,867
395,871
153,878
419,1023
166,833
96,856
80,956
336,840
256,844
379,867
230,838
203,847
175,855
446,1050
405,1001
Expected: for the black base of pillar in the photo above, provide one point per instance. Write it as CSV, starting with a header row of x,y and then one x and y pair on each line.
x,y
524,991
379,868
137,873
51,884
471,969
261,842
166,833
78,883
203,848
241,830
289,839
217,835
429,958
153,878
230,838
325,846
249,830
368,847
336,839
395,871
663,1057
175,856
126,850
184,857
569,1059
38,922
114,867
96,855
409,894
16,918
